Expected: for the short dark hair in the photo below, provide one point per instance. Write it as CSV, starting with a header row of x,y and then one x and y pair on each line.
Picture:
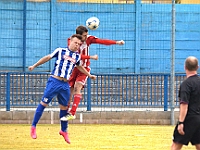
x,y
78,36
191,63
81,29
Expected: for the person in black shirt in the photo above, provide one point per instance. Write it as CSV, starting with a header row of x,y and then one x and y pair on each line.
x,y
188,126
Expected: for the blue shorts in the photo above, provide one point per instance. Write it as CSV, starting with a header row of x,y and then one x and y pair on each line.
x,y
55,87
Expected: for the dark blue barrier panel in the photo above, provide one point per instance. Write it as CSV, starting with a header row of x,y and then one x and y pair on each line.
x,y
166,92
89,94
8,92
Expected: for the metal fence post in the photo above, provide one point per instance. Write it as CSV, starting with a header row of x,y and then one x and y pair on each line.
x,y
165,92
8,92
172,75
88,94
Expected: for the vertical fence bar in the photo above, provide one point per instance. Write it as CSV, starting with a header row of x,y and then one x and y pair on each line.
x,y
151,90
8,92
122,89
127,89
108,87
165,92
24,36
137,97
24,86
101,90
88,94
97,91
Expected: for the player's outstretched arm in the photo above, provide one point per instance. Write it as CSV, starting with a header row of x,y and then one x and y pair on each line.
x,y
40,62
95,57
83,70
106,41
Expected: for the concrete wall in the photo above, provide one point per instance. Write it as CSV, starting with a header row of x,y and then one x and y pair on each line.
x,y
123,117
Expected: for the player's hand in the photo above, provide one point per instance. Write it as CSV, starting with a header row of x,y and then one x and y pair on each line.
x,y
30,68
120,42
95,57
93,77
180,129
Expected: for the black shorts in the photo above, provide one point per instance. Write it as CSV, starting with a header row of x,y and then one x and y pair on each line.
x,y
191,129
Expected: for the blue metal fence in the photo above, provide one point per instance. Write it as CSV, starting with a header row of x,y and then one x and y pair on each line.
x,y
145,26
109,90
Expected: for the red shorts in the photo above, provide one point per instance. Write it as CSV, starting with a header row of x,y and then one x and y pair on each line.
x,y
78,76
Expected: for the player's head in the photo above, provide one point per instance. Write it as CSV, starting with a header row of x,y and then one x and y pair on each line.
x,y
75,42
82,30
191,63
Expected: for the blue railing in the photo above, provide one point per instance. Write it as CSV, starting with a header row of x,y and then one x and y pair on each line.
x,y
108,90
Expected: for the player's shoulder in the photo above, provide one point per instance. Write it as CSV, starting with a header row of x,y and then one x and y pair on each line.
x,y
91,37
60,48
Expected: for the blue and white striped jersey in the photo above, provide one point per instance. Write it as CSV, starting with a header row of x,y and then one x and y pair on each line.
x,y
65,62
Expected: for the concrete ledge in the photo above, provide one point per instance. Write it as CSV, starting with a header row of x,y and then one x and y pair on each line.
x,y
104,117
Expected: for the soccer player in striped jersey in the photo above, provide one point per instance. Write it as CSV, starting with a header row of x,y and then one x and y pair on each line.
x,y
57,84
78,79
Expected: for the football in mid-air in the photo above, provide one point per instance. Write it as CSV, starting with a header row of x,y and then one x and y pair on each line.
x,y
92,23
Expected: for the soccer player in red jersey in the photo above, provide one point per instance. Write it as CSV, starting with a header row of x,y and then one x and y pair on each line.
x,y
78,79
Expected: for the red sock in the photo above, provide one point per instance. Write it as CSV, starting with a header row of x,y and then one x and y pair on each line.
x,y
77,99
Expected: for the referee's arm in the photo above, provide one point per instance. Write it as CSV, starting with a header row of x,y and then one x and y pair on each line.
x,y
183,111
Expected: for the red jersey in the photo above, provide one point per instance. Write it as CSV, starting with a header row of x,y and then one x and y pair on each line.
x,y
84,48
78,76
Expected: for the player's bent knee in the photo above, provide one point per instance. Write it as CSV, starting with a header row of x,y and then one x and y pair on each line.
x,y
77,89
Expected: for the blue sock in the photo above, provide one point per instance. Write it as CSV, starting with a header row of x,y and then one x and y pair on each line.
x,y
64,124
38,114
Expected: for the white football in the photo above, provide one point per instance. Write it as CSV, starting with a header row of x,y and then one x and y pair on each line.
x,y
92,23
